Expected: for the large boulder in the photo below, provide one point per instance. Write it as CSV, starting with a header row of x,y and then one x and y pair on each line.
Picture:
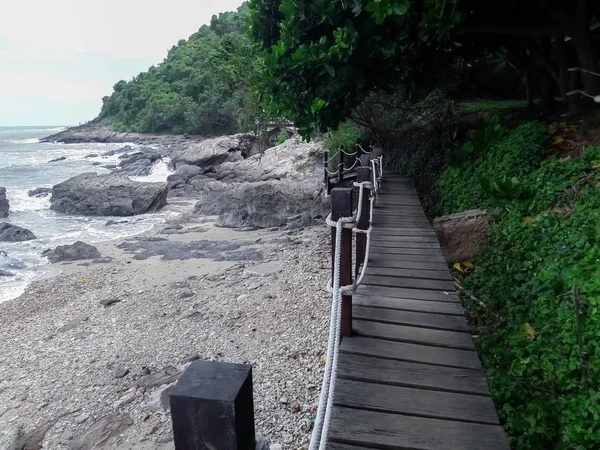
x,y
76,252
262,204
215,151
462,235
13,233
107,195
4,205
139,163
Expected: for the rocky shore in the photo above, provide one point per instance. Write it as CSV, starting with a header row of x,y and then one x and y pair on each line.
x,y
88,357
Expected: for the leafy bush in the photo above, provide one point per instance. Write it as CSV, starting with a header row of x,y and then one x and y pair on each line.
x,y
347,136
538,288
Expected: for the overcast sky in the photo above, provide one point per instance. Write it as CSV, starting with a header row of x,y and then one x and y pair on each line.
x,y
59,58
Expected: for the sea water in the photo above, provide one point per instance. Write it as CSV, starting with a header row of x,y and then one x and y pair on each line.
x,y
24,165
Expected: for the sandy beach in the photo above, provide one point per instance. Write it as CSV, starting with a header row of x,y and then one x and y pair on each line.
x,y
87,357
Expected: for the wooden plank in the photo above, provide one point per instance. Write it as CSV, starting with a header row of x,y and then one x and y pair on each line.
x,y
419,237
411,283
389,263
416,335
407,251
415,294
410,318
400,232
406,351
340,446
406,244
435,274
410,374
391,431
439,259
405,304
415,402
392,210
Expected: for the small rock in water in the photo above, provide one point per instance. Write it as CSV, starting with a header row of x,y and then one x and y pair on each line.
x,y
62,158
13,233
4,273
40,192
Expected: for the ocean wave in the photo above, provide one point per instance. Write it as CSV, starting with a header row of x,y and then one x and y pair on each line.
x,y
159,174
20,201
22,141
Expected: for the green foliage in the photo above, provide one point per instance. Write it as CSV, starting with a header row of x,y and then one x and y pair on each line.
x,y
491,167
484,105
543,244
283,136
202,86
321,57
347,136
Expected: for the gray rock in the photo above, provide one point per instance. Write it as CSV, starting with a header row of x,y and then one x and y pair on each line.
x,y
40,192
91,155
158,401
13,233
462,235
166,375
75,252
12,438
4,273
263,204
99,435
103,260
4,204
109,302
215,151
107,195
110,166
261,443
121,373
186,294
125,149
139,163
62,158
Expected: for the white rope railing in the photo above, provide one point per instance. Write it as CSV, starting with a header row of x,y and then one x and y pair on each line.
x,y
323,419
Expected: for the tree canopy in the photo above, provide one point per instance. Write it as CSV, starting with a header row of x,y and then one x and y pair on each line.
x,y
322,57
202,86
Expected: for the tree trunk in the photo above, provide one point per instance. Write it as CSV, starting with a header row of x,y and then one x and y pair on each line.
x,y
529,89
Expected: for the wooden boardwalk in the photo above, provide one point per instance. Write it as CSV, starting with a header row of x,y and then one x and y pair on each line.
x,y
409,377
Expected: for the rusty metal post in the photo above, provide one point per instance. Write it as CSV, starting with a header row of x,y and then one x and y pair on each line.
x,y
362,174
341,206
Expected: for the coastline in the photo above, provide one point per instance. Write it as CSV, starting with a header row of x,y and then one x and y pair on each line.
x,y
89,355
66,353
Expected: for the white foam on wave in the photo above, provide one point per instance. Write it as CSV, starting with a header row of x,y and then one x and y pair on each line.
x,y
23,141
20,201
159,174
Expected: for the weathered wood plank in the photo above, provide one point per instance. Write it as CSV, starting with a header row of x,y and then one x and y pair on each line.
x,y
410,374
415,294
410,318
392,431
406,351
415,402
404,232
439,258
386,263
404,304
417,335
408,251
383,237
411,283
393,244
428,274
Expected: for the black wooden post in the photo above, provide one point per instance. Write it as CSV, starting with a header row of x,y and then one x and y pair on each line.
x,y
341,164
341,206
362,174
212,407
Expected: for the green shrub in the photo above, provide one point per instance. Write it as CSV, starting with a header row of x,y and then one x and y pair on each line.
x,y
542,357
347,136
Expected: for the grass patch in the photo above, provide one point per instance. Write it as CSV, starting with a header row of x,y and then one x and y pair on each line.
x,y
483,105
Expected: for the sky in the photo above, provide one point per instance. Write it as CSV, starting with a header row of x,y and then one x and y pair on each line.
x,y
59,58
